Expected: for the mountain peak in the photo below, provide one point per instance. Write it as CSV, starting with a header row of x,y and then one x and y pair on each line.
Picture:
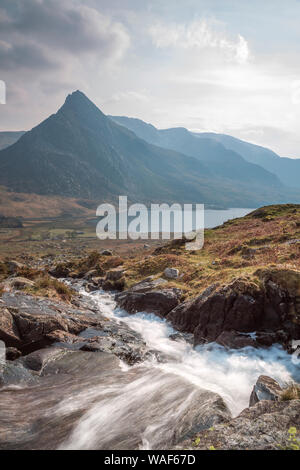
x,y
78,103
77,96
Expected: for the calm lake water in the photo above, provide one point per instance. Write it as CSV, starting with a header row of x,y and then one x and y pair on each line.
x,y
156,222
213,218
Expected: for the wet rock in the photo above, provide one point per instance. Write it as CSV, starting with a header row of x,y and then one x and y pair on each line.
x,y
14,373
159,408
39,359
264,426
171,273
236,340
185,317
265,388
29,323
159,302
186,337
12,354
8,330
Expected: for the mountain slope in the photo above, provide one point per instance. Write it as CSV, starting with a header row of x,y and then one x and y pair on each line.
x,y
81,153
9,138
287,169
222,162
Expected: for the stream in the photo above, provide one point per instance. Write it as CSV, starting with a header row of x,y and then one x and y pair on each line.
x,y
230,374
94,400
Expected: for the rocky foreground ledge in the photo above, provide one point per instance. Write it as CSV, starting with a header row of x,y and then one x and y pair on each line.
x,y
56,348
243,313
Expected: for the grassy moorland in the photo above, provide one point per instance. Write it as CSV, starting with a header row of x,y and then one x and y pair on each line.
x,y
268,238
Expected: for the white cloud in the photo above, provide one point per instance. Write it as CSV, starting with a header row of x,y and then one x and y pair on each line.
x,y
199,34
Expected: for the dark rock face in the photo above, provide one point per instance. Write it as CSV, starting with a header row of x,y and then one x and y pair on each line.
x,y
159,302
231,314
262,427
145,297
265,388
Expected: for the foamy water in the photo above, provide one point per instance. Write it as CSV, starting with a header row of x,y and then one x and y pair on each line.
x,y
230,373
146,408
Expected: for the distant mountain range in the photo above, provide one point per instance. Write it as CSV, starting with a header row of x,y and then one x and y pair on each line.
x,y
81,153
287,170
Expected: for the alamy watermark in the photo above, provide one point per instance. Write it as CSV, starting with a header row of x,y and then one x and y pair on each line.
x,y
2,92
159,221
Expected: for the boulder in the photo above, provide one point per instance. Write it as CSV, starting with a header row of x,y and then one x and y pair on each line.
x,y
264,426
115,274
12,354
244,312
265,388
37,360
171,273
106,253
159,302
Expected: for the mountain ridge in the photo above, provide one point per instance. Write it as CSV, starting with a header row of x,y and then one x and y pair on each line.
x,y
79,152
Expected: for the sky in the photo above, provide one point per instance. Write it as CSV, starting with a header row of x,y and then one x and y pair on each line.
x,y
227,66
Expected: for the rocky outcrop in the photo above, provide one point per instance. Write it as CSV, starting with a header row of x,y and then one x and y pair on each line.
x,y
145,297
245,313
29,324
171,273
17,283
264,426
265,388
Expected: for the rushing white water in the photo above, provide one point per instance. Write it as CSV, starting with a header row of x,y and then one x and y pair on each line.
x,y
230,373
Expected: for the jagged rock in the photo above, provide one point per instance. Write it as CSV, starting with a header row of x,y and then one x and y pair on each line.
x,y
171,273
232,313
185,317
235,340
8,330
264,426
265,388
186,337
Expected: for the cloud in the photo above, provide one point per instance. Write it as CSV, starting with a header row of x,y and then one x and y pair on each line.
x,y
43,31
199,34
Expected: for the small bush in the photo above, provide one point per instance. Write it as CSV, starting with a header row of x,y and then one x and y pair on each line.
x,y
62,289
